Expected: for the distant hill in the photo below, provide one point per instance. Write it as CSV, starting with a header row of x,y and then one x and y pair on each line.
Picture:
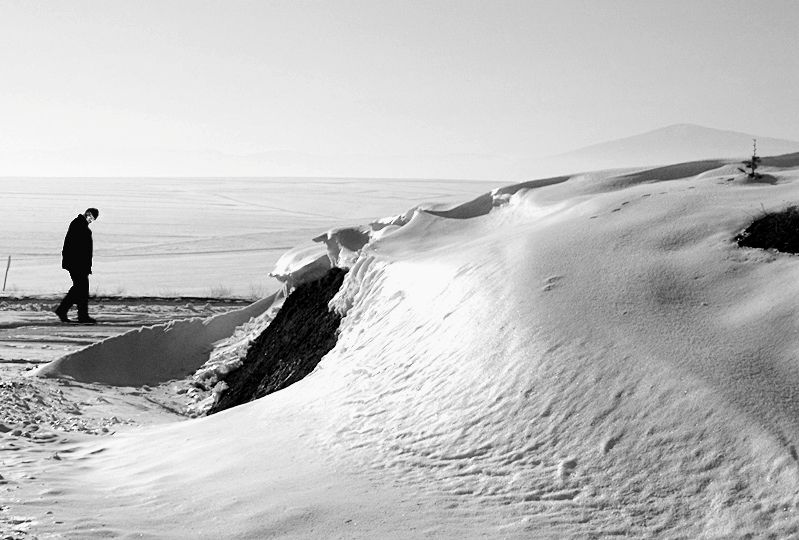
x,y
677,143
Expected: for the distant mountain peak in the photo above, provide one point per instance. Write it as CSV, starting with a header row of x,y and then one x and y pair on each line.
x,y
681,127
687,132
675,143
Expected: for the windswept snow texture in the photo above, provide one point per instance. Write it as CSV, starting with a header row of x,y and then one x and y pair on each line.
x,y
592,358
303,331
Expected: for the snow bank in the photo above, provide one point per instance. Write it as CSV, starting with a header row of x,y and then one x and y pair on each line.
x,y
301,264
599,344
590,357
152,354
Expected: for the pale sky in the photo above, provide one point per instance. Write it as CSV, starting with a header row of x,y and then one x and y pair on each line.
x,y
506,79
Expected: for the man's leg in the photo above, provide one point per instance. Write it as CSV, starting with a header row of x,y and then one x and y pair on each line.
x,y
72,297
81,286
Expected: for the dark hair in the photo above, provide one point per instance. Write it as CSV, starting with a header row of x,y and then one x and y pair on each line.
x,y
93,211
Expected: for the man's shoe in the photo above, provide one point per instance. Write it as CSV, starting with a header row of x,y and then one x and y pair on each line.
x,y
86,320
61,316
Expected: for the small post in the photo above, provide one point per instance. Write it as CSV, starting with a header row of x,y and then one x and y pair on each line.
x,y
6,278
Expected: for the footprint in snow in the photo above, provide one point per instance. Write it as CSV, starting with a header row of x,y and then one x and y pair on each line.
x,y
566,468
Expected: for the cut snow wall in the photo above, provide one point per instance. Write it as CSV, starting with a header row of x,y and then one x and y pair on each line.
x,y
302,332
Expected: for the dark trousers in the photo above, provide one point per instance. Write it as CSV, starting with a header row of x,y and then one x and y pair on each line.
x,y
78,294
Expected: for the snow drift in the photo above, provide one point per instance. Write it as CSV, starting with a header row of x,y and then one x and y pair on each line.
x,y
151,354
584,357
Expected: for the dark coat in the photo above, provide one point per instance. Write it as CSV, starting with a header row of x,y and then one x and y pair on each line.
x,y
77,253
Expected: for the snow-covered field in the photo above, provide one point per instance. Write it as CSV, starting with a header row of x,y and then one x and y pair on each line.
x,y
591,357
189,236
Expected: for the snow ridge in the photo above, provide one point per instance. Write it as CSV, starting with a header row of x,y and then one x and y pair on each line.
x,y
584,357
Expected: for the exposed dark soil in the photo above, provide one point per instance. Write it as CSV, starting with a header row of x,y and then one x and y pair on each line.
x,y
303,331
776,230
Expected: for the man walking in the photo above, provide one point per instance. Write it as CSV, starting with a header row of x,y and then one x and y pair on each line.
x,y
77,260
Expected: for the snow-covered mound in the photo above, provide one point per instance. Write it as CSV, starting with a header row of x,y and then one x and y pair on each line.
x,y
585,357
152,354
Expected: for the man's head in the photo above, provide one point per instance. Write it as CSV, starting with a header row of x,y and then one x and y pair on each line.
x,y
91,214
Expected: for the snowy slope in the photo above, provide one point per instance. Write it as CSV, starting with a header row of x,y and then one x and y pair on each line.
x,y
586,357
